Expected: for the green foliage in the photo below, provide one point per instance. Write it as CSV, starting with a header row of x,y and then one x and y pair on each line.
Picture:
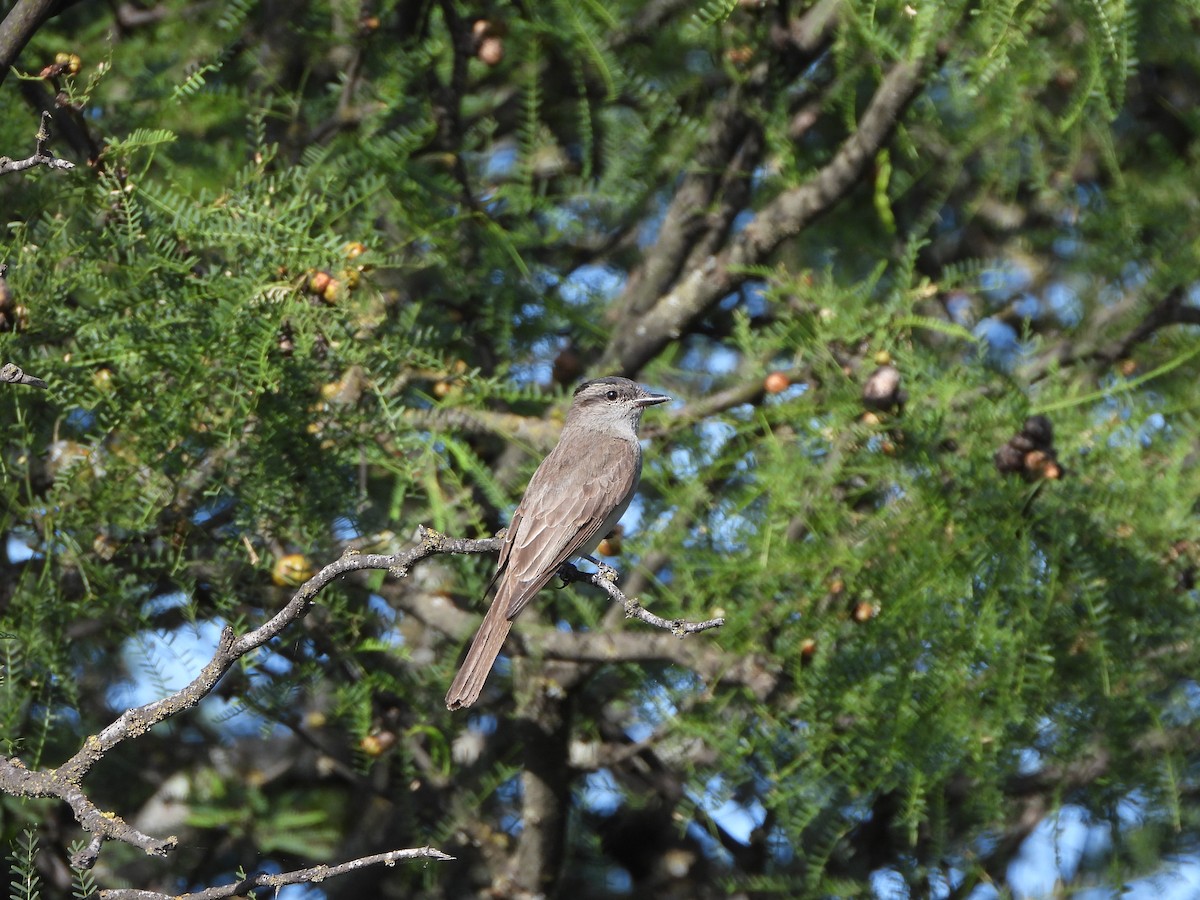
x,y
25,883
912,638
83,881
711,14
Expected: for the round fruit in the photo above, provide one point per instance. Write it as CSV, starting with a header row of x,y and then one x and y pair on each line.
x,y
491,51
776,383
318,281
291,570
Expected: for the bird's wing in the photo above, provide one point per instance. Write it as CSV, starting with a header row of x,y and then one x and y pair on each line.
x,y
564,508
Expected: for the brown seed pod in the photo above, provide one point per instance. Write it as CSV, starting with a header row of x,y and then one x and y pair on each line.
x,y
776,383
1022,442
567,366
318,281
611,545
378,743
740,56
1009,459
16,320
864,611
102,379
882,389
1039,430
808,649
491,51
1036,460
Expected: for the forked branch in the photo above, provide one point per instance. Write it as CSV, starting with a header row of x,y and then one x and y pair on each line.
x,y
65,781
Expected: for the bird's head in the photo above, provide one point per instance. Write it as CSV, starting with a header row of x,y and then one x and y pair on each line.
x,y
611,403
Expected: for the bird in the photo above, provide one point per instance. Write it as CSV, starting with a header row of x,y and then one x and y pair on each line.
x,y
575,498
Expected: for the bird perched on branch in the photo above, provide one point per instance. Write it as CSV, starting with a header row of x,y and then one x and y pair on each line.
x,y
574,499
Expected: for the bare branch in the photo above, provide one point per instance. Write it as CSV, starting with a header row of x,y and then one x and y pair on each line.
x,y
18,781
138,721
11,374
605,578
311,875
64,782
41,156
685,220
606,645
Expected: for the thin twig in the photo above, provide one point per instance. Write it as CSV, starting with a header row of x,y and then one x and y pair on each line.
x,y
41,156
11,374
311,875
605,578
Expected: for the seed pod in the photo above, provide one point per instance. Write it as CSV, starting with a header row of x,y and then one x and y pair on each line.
x,y
882,390
1039,430
1009,459
291,570
776,383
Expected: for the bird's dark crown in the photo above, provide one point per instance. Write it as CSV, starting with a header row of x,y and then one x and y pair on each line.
x,y
615,381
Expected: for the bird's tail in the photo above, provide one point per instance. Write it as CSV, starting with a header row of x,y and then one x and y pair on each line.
x,y
478,662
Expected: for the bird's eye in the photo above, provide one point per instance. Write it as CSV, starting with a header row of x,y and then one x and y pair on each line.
x,y
611,395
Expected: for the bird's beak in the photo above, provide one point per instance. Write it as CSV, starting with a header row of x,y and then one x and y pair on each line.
x,y
651,400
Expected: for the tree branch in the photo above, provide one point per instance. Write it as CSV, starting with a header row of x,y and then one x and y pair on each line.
x,y
716,186
605,578
712,664
544,732
794,210
1172,309
18,27
11,374
684,220
137,721
18,781
41,156
312,875
64,782
536,432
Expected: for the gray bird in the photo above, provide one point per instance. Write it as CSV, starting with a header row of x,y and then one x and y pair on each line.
x,y
575,498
